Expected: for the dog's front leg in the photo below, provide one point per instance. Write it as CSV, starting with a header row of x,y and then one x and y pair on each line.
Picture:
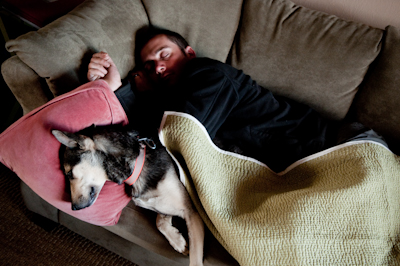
x,y
172,199
172,234
177,241
195,227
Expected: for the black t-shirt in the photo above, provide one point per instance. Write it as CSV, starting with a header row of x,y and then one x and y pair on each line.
x,y
272,129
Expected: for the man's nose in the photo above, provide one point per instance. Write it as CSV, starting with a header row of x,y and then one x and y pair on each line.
x,y
160,68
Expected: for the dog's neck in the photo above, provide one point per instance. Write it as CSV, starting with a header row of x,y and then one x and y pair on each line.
x,y
137,170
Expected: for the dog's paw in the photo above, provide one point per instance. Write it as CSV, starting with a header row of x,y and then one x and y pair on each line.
x,y
177,241
172,234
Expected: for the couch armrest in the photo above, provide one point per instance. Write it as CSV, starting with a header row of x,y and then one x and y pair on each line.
x,y
376,103
38,205
28,88
60,52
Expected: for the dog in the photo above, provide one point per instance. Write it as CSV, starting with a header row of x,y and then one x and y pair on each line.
x,y
115,153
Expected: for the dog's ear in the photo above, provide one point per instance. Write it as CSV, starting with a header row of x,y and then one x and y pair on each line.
x,y
63,138
73,141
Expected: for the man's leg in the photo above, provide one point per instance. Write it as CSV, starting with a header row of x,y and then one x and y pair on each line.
x,y
356,131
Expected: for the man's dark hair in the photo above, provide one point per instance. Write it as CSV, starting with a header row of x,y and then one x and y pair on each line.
x,y
144,35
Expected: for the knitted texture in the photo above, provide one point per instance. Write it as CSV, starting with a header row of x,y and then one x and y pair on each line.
x,y
339,207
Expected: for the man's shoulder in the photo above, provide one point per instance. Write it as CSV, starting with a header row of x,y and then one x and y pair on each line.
x,y
205,64
203,70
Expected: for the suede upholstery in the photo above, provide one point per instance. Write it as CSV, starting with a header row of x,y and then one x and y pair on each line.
x,y
208,26
28,88
377,103
306,55
324,61
60,52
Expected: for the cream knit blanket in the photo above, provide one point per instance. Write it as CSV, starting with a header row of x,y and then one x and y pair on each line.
x,y
338,207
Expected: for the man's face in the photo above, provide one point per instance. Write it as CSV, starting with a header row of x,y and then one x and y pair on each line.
x,y
164,61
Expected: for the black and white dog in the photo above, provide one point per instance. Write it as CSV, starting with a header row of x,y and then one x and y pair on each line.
x,y
97,154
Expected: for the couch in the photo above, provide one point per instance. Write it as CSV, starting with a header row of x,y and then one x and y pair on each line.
x,y
343,69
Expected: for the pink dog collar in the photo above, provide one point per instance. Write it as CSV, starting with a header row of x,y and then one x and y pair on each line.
x,y
138,167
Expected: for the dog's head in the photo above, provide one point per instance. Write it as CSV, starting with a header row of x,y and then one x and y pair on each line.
x,y
91,159
96,155
83,168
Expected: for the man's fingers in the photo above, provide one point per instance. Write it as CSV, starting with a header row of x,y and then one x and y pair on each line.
x,y
94,74
92,77
102,55
100,61
98,67
103,59
101,66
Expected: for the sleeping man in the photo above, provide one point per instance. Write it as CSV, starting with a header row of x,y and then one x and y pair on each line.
x,y
234,108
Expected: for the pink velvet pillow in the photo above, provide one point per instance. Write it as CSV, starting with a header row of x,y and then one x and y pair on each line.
x,y
29,149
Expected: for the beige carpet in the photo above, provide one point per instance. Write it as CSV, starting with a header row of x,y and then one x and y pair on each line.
x,y
24,242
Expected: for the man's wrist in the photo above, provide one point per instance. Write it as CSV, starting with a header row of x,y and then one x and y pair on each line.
x,y
124,83
116,86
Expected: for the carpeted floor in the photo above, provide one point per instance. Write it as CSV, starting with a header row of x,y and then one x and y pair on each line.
x,y
24,242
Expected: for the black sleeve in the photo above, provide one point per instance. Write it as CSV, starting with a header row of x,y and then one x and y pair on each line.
x,y
142,113
126,97
212,96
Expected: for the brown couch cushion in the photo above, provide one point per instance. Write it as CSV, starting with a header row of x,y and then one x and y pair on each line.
x,y
25,84
209,26
306,55
61,51
377,103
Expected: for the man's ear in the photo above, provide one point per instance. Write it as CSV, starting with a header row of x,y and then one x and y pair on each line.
x,y
190,52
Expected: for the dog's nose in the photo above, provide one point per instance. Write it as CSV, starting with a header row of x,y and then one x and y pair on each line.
x,y
92,192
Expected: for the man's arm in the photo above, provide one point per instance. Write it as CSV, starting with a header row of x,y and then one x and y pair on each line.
x,y
212,97
101,66
127,98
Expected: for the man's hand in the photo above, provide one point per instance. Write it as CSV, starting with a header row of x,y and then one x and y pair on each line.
x,y
101,66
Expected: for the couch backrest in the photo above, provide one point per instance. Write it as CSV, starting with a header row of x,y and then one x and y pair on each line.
x,y
60,52
306,55
209,26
